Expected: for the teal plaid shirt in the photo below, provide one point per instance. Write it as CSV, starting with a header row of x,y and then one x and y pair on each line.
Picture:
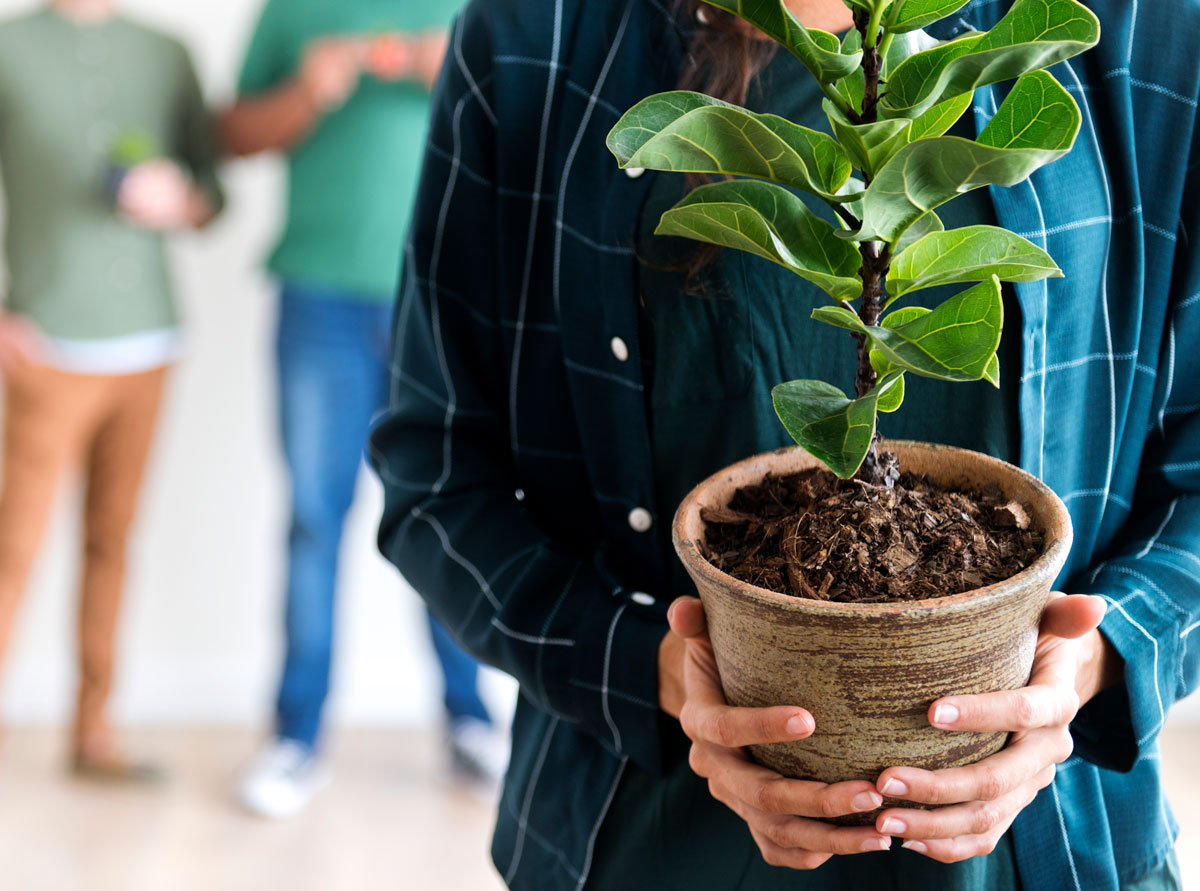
x,y
516,454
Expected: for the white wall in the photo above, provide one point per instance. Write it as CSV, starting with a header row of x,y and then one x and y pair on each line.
x,y
201,638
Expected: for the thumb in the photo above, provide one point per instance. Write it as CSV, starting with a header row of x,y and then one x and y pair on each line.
x,y
1072,616
686,616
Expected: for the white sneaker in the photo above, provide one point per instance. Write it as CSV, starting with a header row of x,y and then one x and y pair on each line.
x,y
282,780
478,751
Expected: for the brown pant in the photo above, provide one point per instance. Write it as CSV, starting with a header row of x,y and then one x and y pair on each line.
x,y
56,423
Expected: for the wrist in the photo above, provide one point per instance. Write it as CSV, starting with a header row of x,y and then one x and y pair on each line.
x,y
1100,666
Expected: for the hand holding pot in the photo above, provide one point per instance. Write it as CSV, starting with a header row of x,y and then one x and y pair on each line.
x,y
783,814
1072,663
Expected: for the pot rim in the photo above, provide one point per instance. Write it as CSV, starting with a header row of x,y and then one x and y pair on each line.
x,y
1044,569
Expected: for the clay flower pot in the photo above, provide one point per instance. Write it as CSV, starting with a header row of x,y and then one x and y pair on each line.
x,y
869,672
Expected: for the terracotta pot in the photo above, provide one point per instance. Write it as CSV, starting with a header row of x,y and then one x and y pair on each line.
x,y
869,672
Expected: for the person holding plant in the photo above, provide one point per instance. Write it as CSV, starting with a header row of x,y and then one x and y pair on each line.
x,y
90,328
343,89
562,377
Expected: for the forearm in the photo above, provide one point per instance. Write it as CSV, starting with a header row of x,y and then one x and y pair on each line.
x,y
274,121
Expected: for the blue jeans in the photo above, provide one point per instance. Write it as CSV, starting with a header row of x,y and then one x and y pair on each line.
x,y
333,380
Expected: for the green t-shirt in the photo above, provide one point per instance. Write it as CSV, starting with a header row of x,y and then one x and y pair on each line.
x,y
352,181
69,94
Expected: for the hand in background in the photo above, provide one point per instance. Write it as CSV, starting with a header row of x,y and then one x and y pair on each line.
x,y
330,70
783,814
429,54
391,56
396,56
1072,663
19,343
158,195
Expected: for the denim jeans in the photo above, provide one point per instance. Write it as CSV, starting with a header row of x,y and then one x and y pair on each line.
x,y
333,354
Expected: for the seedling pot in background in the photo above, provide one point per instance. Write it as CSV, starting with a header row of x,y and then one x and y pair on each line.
x,y
869,672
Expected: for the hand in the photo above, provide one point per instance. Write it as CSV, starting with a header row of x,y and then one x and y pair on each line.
x,y
19,343
391,57
1073,662
330,70
428,56
783,814
158,195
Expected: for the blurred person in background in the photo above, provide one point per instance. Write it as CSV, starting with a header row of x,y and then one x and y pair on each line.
x,y
105,145
343,89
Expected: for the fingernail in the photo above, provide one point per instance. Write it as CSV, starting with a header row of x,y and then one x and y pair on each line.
x,y
876,844
915,846
945,714
866,801
892,826
894,788
798,725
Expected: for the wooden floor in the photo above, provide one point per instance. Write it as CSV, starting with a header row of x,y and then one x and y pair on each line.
x,y
392,819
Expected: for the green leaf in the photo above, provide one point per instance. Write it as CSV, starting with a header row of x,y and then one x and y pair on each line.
x,y
836,430
853,87
971,254
819,50
891,399
939,119
916,14
926,223
870,146
1036,124
992,375
1034,34
693,133
902,316
955,342
1037,113
868,6
771,222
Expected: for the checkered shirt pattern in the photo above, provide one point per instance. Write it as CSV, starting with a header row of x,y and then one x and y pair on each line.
x,y
517,459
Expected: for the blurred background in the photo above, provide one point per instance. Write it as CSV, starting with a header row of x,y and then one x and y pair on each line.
x,y
201,639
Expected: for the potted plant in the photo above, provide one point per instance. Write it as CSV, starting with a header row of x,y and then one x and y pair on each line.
x,y
867,652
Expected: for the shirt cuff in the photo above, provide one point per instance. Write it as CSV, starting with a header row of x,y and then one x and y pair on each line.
x,y
615,677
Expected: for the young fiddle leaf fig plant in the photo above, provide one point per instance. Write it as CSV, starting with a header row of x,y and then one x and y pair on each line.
x,y
884,167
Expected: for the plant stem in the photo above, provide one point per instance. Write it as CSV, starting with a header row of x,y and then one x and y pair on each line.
x,y
885,45
876,260
839,102
871,37
876,256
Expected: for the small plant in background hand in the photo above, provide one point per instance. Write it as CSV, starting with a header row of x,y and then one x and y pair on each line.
x,y
884,168
131,148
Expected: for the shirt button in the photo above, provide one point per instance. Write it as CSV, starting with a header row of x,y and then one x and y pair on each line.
x,y
620,349
640,520
641,598
634,172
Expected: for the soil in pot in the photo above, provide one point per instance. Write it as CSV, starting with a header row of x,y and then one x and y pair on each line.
x,y
809,534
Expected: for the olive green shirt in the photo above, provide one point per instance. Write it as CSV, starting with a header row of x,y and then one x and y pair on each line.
x,y
69,93
351,183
